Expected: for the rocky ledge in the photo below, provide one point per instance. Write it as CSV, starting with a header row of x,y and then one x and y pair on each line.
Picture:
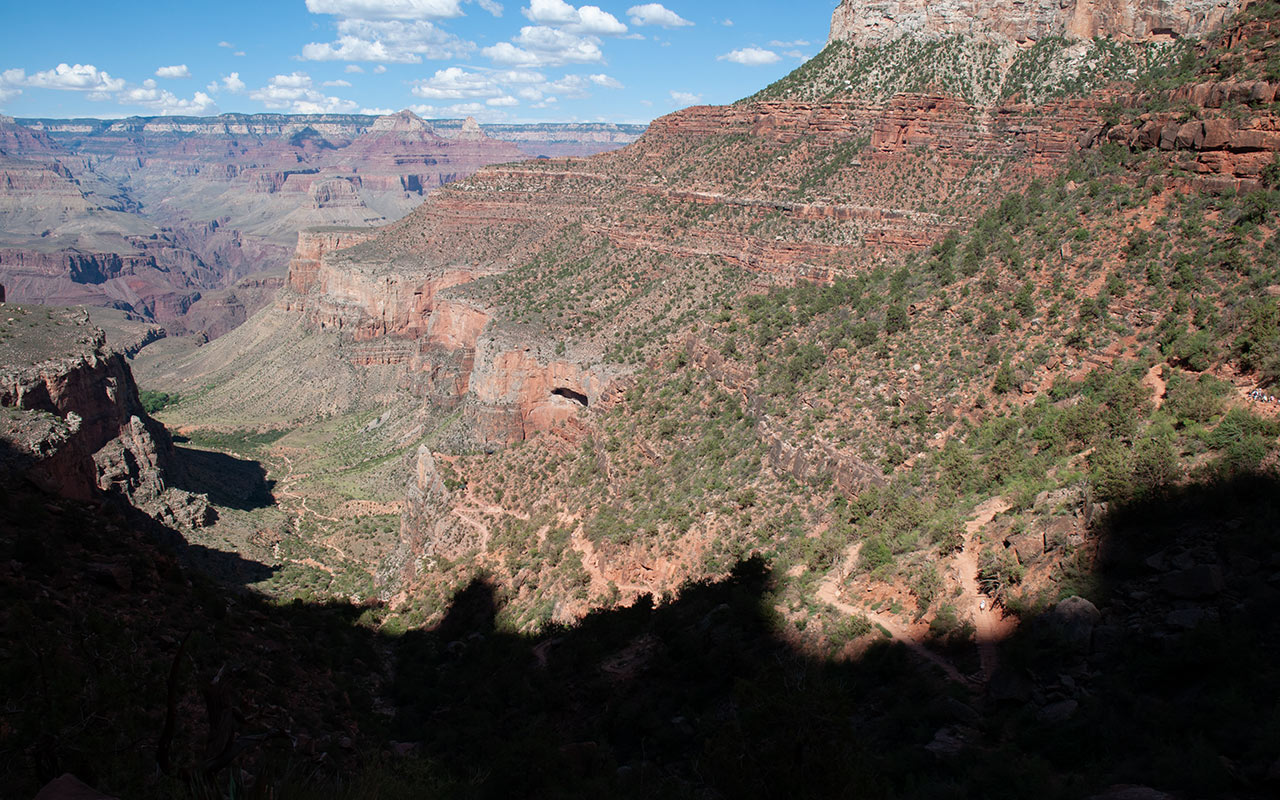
x,y
73,423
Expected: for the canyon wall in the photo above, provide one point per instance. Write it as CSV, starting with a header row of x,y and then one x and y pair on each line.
x,y
450,351
865,23
74,424
550,139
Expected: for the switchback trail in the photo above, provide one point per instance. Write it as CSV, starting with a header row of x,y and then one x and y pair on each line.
x,y
989,623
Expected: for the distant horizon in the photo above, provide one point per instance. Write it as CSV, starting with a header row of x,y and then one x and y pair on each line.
x,y
180,117
530,62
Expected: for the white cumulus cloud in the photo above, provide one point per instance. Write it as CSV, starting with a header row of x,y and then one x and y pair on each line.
x,y
499,88
751,56
100,86
71,77
656,14
392,41
543,46
388,9
150,96
295,94
398,9
478,110
456,83
587,19
686,98
176,71
605,81
230,83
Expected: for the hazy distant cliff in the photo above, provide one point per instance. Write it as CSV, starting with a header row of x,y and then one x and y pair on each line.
x,y
551,138
868,22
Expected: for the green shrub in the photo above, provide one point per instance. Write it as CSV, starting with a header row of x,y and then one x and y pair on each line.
x,y
1004,381
876,553
153,401
1199,400
998,568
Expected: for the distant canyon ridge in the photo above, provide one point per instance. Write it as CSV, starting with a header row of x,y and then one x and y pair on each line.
x,y
190,221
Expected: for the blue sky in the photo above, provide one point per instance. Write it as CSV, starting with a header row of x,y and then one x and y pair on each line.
x,y
527,61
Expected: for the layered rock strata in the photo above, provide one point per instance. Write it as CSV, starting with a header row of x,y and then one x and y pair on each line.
x,y
450,350
73,422
872,22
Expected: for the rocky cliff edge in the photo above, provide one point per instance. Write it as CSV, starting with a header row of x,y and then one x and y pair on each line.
x,y
72,422
872,22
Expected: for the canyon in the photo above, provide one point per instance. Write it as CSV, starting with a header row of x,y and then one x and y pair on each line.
x,y
177,219
933,412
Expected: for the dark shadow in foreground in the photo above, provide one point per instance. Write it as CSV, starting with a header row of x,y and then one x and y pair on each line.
x,y
229,482
1173,685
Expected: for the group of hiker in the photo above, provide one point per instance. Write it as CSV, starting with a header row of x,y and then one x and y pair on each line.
x,y
1262,397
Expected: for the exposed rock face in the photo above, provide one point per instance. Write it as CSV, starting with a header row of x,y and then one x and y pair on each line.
x,y
470,131
428,527
552,139
73,422
450,351
1230,150
312,245
872,22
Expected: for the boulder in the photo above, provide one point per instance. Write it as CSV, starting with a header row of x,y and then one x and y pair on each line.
x,y
1028,547
1193,584
1130,792
69,787
1214,134
1187,135
1189,618
1072,621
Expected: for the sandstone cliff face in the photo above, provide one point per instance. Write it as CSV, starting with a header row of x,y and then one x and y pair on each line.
x,y
449,350
1232,137
312,245
73,423
871,22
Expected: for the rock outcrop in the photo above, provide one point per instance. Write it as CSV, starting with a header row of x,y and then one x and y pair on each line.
x,y
428,527
872,22
73,421
450,351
